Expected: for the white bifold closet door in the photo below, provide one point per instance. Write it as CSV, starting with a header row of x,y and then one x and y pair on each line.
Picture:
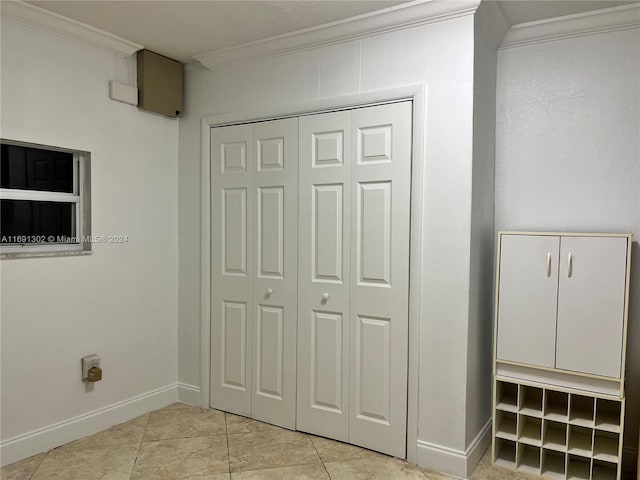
x,y
353,280
254,200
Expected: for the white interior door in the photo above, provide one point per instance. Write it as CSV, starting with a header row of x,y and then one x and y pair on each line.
x,y
310,229
231,268
591,304
323,274
379,313
355,171
275,185
528,299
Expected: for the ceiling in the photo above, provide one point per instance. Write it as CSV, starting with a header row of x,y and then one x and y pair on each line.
x,y
182,28
523,11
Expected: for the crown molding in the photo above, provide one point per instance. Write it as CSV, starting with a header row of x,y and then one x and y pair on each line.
x,y
569,26
493,22
406,15
62,26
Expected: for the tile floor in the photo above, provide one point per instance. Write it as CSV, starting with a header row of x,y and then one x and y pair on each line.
x,y
186,443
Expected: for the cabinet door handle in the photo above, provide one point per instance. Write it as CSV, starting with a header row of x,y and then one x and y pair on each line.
x,y
570,265
549,264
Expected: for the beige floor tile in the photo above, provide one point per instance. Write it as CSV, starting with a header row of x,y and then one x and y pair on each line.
x,y
111,463
217,476
23,469
297,472
185,422
239,424
485,471
178,405
334,451
182,458
128,433
432,475
384,468
257,450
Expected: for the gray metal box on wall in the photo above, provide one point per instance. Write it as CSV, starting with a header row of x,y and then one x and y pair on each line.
x,y
159,84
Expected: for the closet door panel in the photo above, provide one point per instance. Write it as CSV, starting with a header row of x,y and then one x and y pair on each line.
x,y
591,300
231,268
528,299
275,186
379,316
323,273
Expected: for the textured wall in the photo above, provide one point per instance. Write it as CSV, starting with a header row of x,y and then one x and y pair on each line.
x,y
568,151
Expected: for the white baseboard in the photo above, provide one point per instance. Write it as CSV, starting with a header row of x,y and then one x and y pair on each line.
x,y
478,447
46,438
189,394
453,462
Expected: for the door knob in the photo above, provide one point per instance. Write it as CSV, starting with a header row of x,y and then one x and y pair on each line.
x,y
325,297
269,291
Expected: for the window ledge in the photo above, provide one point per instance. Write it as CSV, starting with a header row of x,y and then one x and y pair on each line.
x,y
59,253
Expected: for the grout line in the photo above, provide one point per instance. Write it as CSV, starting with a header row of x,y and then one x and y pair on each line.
x,y
275,467
319,456
226,436
39,464
144,432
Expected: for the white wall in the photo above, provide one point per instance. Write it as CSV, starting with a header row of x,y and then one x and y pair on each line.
x,y
568,152
119,302
441,57
480,336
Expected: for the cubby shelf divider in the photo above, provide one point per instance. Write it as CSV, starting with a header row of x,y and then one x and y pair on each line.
x,y
557,434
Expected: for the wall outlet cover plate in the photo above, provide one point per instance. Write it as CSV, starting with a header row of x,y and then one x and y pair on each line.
x,y
87,363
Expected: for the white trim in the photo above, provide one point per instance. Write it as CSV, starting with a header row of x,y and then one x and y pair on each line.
x,y
60,25
44,439
493,22
569,26
189,394
26,250
417,94
205,262
454,462
39,195
407,15
479,446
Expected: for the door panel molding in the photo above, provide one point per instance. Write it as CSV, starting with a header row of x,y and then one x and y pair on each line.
x,y
415,93
323,231
231,268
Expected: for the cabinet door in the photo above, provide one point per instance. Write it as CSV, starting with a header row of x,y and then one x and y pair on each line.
x,y
275,222
527,299
231,268
591,304
323,274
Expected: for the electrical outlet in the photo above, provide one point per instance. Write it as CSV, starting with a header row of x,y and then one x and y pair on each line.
x,y
88,363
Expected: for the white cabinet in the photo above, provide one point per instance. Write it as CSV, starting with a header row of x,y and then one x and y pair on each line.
x,y
557,434
561,316
591,304
561,301
528,299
